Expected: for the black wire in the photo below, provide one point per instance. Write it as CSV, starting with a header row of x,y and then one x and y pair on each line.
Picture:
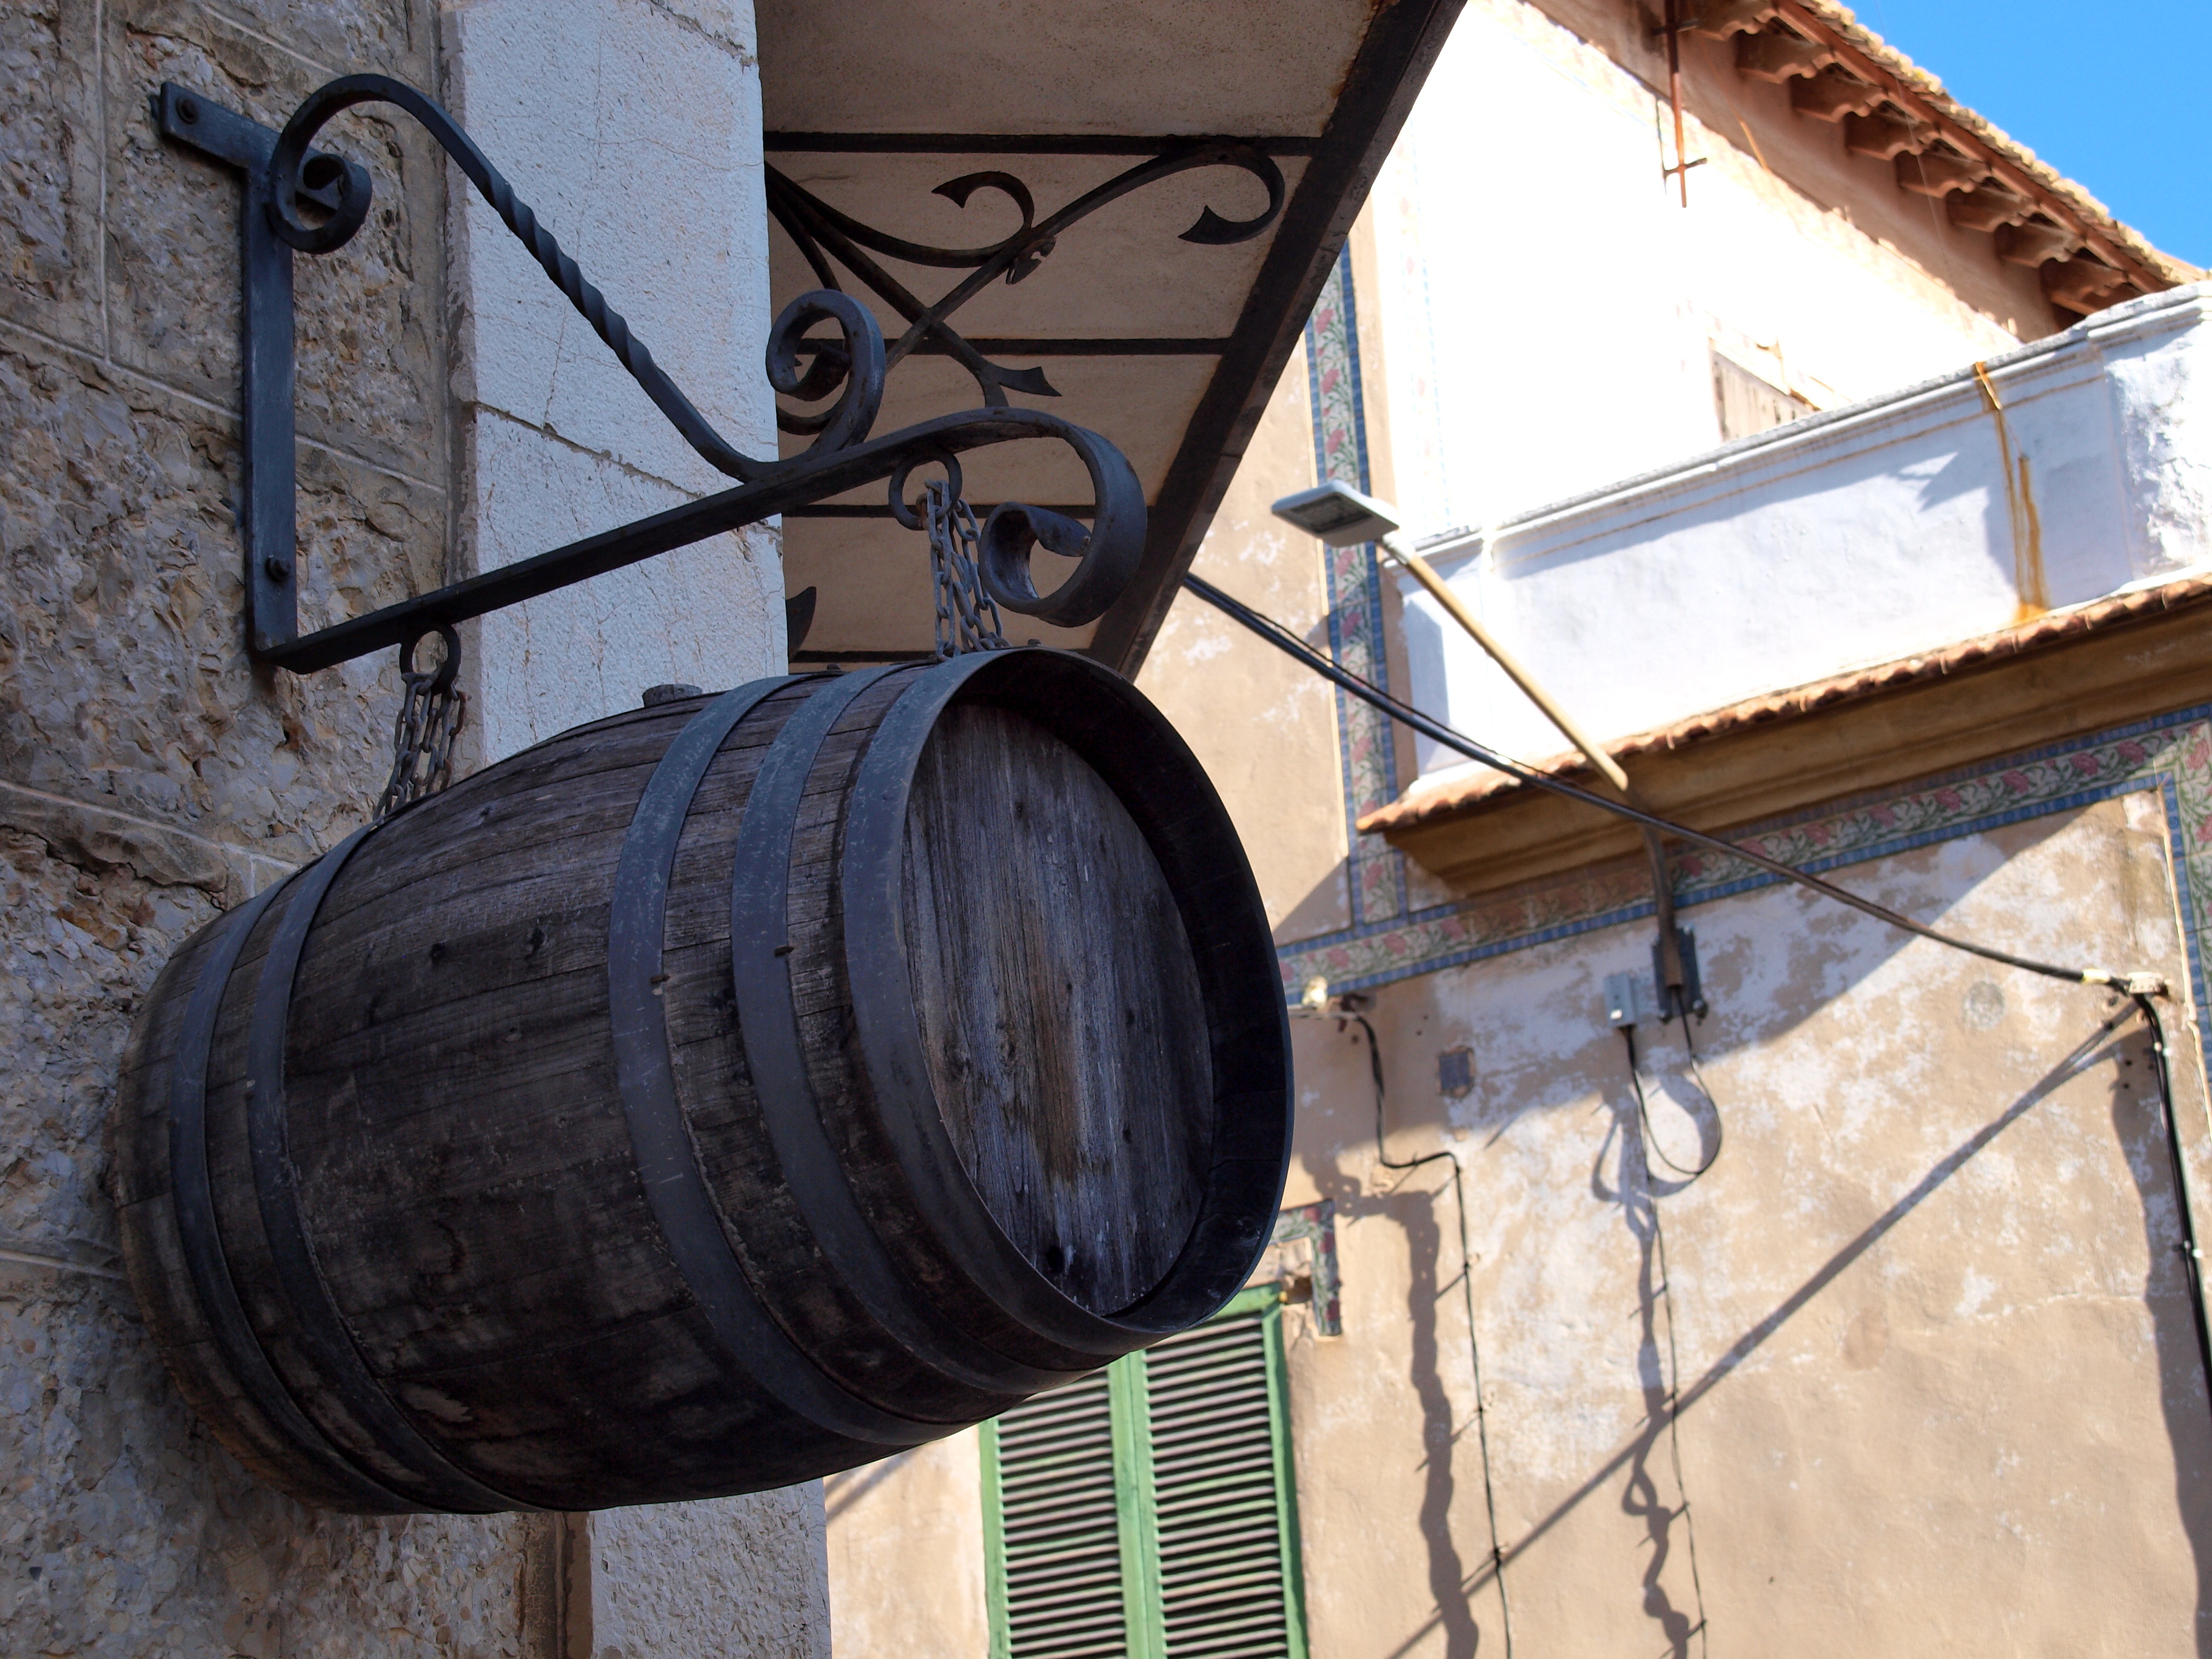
x,y
1643,1111
1674,1428
1466,1295
2192,1263
1285,641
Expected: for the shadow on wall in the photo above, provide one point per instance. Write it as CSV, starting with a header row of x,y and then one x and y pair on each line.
x,y
2185,1392
1414,1211
848,1487
2182,1386
1636,1192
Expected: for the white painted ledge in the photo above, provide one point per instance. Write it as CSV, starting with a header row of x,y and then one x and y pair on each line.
x,y
1856,537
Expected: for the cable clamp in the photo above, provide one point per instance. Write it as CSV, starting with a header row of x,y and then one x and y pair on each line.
x,y
2134,985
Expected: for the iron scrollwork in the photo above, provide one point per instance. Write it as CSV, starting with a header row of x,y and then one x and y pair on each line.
x,y
822,234
284,172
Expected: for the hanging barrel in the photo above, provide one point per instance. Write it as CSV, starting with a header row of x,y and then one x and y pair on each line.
x,y
713,1097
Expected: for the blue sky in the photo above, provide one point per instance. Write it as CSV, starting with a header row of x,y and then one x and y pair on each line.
x,y
2113,96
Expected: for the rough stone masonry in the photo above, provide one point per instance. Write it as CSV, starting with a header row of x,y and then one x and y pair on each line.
x,y
150,775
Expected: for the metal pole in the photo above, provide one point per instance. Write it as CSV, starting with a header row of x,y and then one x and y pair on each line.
x,y
1397,547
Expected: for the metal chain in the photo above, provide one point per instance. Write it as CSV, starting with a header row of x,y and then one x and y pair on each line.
x,y
967,618
432,708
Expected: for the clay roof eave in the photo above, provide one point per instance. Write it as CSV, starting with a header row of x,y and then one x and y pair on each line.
x,y
1485,789
1867,57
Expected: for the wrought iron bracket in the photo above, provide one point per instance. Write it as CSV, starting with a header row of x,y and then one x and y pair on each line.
x,y
285,180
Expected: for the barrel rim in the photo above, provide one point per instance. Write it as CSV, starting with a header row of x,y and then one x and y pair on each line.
x,y
762,965
1124,736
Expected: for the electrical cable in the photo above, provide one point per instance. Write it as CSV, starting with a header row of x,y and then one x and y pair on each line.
x,y
1285,641
1466,1295
1644,1109
2193,1261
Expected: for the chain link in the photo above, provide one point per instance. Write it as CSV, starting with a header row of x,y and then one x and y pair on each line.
x,y
967,618
432,708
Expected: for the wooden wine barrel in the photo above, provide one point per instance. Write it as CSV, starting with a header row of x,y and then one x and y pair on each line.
x,y
712,1097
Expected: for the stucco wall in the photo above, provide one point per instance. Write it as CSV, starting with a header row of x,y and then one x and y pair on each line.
x,y
149,776
1557,305
1254,718
906,1554
1925,1316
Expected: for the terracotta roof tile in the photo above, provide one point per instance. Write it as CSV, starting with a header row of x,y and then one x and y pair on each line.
x,y
1418,806
1920,83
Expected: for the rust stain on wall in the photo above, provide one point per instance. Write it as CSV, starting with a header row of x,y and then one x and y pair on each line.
x,y
2027,574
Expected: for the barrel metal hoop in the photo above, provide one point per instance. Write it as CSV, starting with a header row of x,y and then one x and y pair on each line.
x,y
667,1160
193,1196
889,1026
318,1324
761,959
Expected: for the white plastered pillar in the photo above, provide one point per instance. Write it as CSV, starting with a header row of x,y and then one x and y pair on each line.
x,y
634,131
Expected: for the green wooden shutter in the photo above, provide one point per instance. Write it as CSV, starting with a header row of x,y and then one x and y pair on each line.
x,y
1150,1512
1054,1556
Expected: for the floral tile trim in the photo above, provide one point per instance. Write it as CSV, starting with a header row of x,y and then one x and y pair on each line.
x,y
2171,754
1354,584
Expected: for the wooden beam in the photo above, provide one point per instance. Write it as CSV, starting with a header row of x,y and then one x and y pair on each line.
x,y
2082,684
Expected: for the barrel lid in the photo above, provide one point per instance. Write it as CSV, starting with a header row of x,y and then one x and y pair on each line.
x,y
1087,1047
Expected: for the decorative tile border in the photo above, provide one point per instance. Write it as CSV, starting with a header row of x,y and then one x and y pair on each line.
x,y
2171,754
1354,580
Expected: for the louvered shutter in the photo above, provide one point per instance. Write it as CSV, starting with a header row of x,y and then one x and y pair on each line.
x,y
1150,1512
1219,1494
1060,1554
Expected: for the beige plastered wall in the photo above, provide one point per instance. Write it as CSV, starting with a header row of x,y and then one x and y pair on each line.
x,y
1937,1376
1264,728
906,1554
1937,1382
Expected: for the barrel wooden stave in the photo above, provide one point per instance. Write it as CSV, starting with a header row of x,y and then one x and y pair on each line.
x,y
552,1310
902,1217
143,1187
813,1294
571,1297
1100,1195
468,1180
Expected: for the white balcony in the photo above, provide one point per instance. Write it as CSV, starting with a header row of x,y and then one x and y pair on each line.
x,y
2068,470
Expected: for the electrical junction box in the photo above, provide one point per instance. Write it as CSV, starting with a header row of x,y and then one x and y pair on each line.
x,y
1627,1000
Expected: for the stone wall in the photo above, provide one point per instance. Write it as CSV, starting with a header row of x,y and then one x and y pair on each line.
x,y
150,775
